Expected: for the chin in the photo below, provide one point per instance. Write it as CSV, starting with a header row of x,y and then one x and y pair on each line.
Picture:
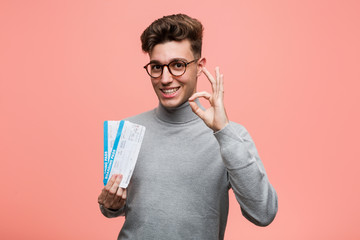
x,y
171,103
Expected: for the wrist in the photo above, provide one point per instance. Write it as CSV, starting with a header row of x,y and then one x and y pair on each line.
x,y
220,127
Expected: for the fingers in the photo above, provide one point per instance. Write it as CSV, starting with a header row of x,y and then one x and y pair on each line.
x,y
208,75
123,199
112,196
110,182
200,94
217,77
116,184
117,201
195,108
106,189
221,93
217,83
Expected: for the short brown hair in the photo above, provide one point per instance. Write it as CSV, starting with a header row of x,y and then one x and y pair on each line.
x,y
175,27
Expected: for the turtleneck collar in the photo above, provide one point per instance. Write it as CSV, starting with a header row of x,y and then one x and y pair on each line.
x,y
180,114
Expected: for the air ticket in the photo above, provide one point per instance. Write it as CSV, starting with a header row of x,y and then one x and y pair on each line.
x,y
122,142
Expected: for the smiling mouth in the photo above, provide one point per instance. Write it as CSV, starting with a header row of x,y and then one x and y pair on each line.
x,y
169,91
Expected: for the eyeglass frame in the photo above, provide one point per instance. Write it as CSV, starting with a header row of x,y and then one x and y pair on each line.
x,y
167,65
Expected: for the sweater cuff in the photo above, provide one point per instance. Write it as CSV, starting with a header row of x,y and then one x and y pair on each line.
x,y
110,213
227,135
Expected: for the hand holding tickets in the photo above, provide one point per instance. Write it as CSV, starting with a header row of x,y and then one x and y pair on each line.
x,y
113,197
122,142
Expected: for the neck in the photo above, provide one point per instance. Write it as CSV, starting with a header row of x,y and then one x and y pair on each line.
x,y
179,114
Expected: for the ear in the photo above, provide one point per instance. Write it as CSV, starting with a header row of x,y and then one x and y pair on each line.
x,y
201,64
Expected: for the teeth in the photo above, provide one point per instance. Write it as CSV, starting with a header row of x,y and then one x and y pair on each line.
x,y
168,91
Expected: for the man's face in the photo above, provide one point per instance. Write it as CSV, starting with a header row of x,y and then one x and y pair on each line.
x,y
173,91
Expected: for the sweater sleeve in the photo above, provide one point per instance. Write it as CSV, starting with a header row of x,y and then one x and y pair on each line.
x,y
112,213
247,176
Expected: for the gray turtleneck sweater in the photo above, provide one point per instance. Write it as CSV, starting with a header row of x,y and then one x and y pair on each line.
x,y
179,188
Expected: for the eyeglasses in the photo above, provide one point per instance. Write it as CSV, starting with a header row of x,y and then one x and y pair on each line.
x,y
176,68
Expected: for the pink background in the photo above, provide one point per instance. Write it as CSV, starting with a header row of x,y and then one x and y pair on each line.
x,y
292,77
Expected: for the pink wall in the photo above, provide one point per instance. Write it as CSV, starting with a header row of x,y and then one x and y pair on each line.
x,y
292,77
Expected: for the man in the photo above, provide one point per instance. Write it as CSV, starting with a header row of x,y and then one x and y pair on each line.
x,y
190,156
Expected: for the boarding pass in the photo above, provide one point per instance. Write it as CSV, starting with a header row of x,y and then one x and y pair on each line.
x,y
122,142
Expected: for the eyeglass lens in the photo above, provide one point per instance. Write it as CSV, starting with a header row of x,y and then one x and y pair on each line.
x,y
176,68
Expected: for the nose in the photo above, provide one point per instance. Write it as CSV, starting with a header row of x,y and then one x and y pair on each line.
x,y
166,76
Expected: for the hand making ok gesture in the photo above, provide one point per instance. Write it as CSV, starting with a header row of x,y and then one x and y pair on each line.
x,y
215,116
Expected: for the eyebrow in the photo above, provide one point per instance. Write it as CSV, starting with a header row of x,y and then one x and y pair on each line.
x,y
171,60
